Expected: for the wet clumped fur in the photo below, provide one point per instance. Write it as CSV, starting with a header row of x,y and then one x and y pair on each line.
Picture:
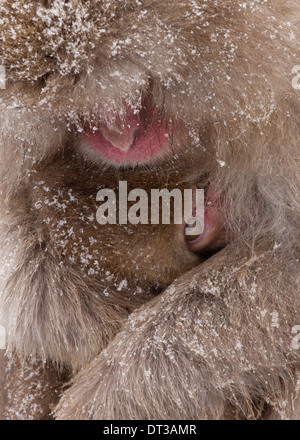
x,y
145,328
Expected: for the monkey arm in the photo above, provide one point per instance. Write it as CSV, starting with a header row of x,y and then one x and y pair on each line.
x,y
217,343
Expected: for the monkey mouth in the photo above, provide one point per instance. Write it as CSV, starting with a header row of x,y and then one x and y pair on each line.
x,y
136,138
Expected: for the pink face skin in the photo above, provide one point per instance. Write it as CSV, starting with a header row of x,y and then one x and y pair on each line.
x,y
134,139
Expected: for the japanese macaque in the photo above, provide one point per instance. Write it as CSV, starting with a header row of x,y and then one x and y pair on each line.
x,y
143,320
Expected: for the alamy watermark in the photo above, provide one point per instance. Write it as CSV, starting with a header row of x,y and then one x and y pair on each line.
x,y
2,77
296,339
121,207
296,79
2,338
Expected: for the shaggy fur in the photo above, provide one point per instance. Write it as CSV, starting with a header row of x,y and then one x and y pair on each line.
x,y
218,342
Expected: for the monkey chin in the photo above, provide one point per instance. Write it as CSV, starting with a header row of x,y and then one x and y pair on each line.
x,y
136,139
99,150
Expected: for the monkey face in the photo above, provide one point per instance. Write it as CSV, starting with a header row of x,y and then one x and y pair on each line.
x,y
138,93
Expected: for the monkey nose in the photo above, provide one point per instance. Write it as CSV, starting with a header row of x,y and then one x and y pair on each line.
x,y
121,138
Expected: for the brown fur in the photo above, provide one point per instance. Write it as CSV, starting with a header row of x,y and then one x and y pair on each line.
x,y
217,342
32,389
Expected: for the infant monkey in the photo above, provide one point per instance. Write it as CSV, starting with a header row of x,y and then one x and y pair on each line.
x,y
173,94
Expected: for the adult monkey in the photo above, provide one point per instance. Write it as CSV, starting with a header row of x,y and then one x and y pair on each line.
x,y
151,83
